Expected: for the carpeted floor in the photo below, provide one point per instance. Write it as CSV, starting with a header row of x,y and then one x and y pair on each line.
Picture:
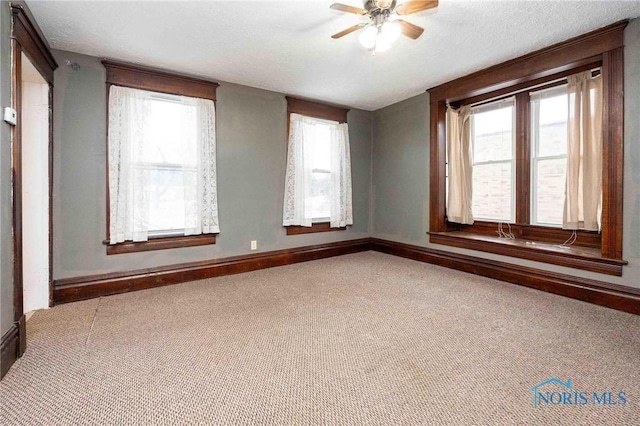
x,y
361,339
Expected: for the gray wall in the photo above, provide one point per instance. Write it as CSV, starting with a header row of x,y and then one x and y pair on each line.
x,y
401,170
251,154
6,239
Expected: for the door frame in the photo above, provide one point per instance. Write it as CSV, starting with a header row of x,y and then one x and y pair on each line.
x,y
27,38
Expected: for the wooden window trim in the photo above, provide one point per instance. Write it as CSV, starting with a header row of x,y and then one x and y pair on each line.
x,y
585,258
161,243
315,227
136,77
30,37
592,251
315,110
324,112
142,78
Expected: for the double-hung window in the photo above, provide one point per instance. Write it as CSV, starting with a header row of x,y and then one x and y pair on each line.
x,y
549,110
318,172
161,165
493,141
526,156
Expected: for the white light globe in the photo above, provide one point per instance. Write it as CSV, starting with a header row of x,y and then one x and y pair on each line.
x,y
368,37
390,31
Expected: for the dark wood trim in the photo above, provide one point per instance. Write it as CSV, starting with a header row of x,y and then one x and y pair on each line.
x,y
537,84
316,109
9,349
14,343
437,167
601,48
143,78
315,227
601,293
543,234
614,296
16,170
137,77
79,288
587,259
523,158
29,36
161,243
612,152
535,65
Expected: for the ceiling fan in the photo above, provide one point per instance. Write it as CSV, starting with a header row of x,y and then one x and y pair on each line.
x,y
381,30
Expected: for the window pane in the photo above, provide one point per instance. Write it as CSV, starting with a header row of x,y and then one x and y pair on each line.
x,y
169,151
492,192
492,134
170,137
321,153
549,192
552,125
320,190
166,199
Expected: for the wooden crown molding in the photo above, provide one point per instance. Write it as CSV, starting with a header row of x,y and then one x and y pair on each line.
x,y
316,109
137,77
28,34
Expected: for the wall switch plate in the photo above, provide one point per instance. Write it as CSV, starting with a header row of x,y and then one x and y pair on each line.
x,y
10,115
254,245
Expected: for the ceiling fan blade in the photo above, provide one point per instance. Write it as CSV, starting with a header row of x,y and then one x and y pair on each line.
x,y
348,30
409,29
349,9
415,6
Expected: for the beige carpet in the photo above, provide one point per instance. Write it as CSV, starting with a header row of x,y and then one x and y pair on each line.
x,y
361,339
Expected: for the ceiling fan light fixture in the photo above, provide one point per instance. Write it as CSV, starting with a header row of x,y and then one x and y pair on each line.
x,y
383,4
379,38
368,37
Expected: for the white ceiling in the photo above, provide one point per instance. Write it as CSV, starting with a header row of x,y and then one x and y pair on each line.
x,y
285,46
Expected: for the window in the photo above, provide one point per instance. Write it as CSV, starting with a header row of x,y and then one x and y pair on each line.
x,y
493,138
161,161
318,173
518,135
549,154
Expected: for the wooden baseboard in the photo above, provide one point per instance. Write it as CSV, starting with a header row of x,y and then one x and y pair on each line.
x,y
613,296
87,287
598,292
13,345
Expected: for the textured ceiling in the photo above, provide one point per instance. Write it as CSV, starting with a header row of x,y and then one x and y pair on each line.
x,y
286,46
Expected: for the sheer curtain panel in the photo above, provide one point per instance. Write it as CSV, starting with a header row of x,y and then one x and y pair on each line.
x,y
341,210
298,194
128,185
136,155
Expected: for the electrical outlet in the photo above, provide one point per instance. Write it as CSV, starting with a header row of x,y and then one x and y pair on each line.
x,y
254,245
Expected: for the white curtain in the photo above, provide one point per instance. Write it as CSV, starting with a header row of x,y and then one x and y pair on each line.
x,y
200,196
297,209
130,184
460,159
582,208
341,210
